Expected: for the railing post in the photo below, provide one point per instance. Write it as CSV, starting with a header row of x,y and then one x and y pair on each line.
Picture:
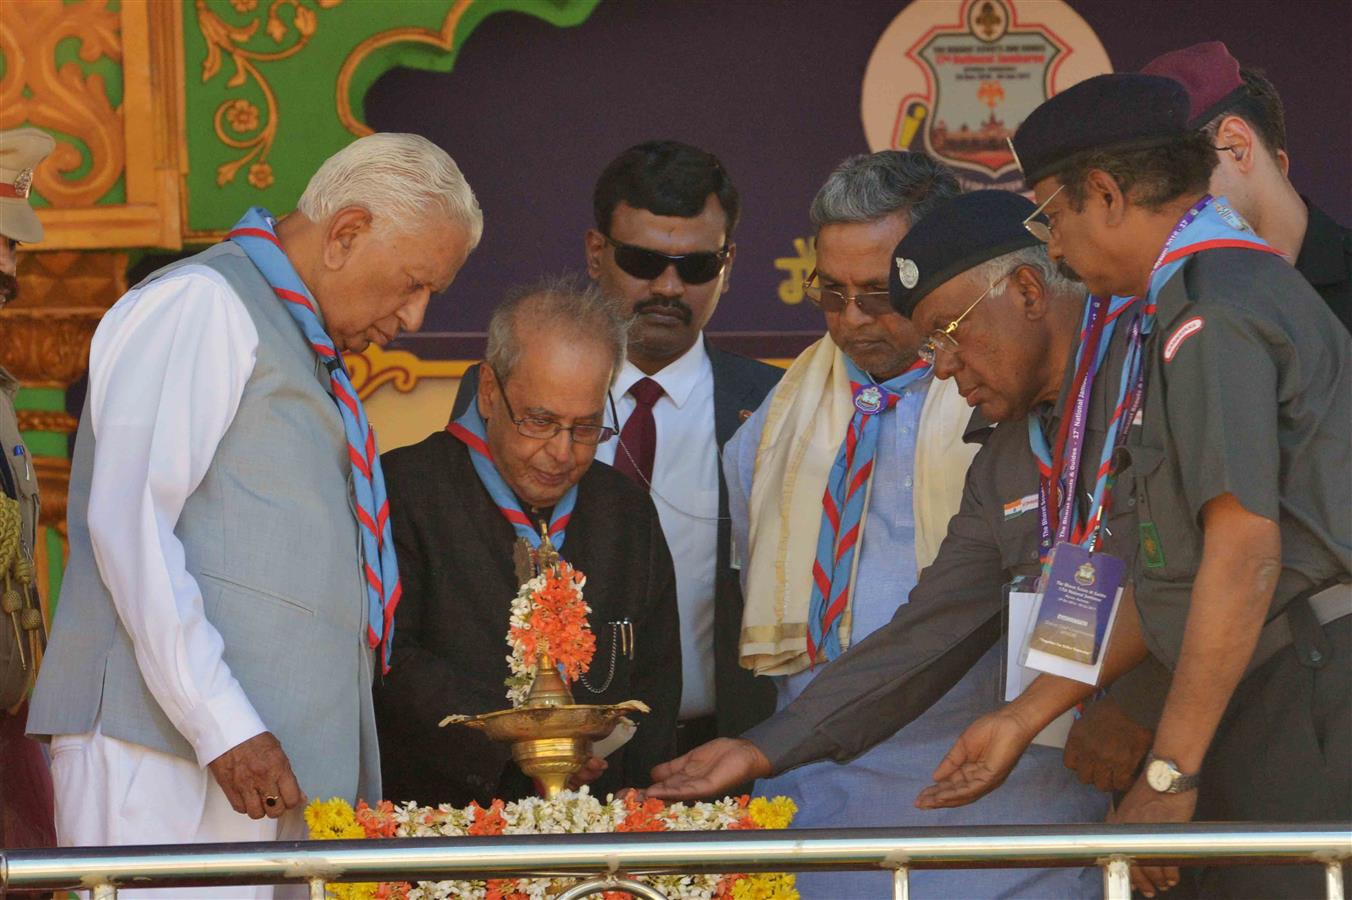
x,y
901,883
318,889
1333,879
1117,879
612,882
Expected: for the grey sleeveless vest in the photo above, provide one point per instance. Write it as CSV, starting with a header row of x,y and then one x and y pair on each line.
x,y
271,538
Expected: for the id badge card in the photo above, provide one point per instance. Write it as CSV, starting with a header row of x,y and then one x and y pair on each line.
x,y
1075,613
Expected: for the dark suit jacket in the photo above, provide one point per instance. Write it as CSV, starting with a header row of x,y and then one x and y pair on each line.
x,y
455,559
740,385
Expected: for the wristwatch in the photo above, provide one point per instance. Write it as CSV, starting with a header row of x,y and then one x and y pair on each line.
x,y
1163,775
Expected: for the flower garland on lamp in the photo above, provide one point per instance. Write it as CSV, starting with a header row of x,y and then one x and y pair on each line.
x,y
572,812
549,627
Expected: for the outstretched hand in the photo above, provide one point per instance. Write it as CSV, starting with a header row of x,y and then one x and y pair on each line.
x,y
709,770
979,762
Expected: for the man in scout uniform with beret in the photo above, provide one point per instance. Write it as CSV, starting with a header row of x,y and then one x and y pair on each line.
x,y
1000,320
863,440
1240,474
25,784
1243,114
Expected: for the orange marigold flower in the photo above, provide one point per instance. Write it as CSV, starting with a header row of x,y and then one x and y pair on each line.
x,y
378,822
642,817
488,822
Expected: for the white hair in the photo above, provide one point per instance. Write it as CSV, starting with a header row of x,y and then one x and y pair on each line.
x,y
398,178
993,271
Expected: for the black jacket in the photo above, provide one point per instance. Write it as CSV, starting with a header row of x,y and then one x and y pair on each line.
x,y
450,652
740,385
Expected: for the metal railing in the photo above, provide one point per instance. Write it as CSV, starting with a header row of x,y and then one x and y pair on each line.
x,y
608,861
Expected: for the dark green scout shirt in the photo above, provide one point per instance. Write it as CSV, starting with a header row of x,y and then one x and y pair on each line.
x,y
1248,392
956,610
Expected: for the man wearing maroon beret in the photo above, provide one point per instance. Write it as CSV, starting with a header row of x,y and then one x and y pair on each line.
x,y
1242,112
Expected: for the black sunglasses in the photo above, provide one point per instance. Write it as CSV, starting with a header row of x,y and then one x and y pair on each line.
x,y
694,268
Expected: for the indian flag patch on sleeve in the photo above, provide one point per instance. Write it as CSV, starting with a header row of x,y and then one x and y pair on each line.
x,y
1020,506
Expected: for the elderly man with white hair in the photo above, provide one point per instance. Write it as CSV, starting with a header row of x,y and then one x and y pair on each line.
x,y
232,573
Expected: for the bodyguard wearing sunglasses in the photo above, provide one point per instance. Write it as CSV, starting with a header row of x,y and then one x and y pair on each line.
x,y
518,459
662,250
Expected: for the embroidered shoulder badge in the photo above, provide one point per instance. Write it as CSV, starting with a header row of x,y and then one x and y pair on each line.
x,y
1181,334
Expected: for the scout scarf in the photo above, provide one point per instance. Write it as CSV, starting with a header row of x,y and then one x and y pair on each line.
x,y
1209,225
807,416
844,502
470,430
1059,467
256,235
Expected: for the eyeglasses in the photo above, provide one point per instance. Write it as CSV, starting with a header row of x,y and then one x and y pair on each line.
x,y
942,338
542,429
1041,230
871,303
694,268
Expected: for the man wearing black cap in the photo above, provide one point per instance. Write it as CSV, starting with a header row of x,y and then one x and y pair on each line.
x,y
1239,471
1242,113
1002,322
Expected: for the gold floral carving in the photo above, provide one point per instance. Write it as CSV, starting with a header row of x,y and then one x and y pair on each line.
x,y
443,39
62,296
47,420
64,100
53,485
375,367
239,123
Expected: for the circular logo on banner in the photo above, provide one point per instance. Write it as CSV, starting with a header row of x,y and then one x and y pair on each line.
x,y
869,399
956,78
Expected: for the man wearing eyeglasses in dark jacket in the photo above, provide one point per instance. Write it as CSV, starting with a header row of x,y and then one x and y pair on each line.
x,y
662,248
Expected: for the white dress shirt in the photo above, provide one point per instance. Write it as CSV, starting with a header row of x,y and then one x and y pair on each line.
x,y
167,368
685,490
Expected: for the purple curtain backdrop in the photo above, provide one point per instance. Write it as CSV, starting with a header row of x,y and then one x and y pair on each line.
x,y
532,113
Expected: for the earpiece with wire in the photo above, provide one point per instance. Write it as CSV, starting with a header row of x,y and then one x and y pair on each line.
x,y
615,415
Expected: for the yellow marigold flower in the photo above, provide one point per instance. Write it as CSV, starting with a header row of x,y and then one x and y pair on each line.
x,y
768,886
332,820
776,813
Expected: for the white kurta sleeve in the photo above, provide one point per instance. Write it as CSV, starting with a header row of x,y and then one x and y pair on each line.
x,y
167,369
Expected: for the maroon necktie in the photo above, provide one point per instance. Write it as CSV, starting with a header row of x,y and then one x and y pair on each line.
x,y
638,438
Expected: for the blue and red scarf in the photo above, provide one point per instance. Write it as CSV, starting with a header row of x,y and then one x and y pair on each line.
x,y
256,235
843,505
470,430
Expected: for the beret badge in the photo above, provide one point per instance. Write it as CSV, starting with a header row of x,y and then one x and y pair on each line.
x,y
908,272
23,182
